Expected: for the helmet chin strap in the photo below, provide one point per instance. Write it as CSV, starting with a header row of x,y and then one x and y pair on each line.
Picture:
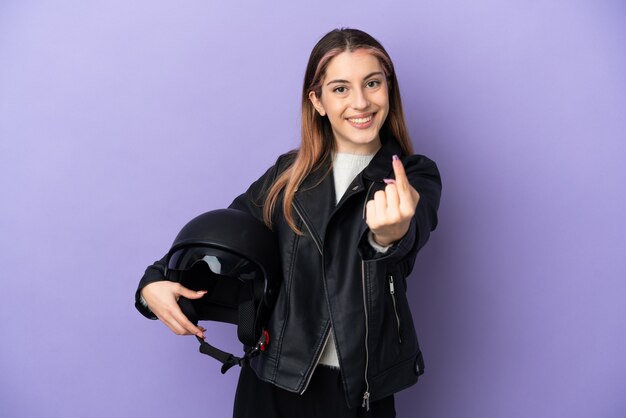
x,y
246,325
229,360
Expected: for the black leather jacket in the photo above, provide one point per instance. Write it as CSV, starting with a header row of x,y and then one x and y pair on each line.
x,y
331,275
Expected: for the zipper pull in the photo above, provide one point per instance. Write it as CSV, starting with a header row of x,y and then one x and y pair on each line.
x,y
366,401
391,287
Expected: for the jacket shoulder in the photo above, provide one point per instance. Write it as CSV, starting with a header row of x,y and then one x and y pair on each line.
x,y
419,162
284,161
420,168
252,200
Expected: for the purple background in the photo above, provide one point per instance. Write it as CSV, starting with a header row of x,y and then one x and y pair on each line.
x,y
120,122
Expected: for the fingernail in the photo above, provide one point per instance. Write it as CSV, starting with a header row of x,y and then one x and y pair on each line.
x,y
395,157
201,292
389,181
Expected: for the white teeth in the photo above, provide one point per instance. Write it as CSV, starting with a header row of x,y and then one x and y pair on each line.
x,y
361,120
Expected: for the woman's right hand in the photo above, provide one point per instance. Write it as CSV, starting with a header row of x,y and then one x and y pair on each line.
x,y
162,299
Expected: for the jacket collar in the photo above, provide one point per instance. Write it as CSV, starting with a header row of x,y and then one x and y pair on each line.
x,y
380,167
315,197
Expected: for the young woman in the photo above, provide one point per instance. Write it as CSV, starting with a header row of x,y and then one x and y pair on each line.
x,y
351,208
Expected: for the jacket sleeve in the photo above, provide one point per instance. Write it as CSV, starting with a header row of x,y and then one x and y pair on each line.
x,y
424,177
154,273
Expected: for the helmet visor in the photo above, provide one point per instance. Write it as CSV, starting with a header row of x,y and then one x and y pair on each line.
x,y
220,262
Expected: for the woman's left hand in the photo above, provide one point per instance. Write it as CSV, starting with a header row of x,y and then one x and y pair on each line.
x,y
389,214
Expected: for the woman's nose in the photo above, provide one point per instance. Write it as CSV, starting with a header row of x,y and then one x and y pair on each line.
x,y
359,99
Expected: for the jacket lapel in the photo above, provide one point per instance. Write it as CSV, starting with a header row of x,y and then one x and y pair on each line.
x,y
315,197
380,167
316,200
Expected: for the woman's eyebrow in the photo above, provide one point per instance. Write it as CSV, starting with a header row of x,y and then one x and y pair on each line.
x,y
364,78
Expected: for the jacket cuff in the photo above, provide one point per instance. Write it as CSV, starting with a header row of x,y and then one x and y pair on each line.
x,y
154,273
397,250
379,248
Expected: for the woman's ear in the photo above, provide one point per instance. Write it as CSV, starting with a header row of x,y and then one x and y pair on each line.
x,y
317,103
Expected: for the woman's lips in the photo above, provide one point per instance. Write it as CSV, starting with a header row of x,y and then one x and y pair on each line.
x,y
362,122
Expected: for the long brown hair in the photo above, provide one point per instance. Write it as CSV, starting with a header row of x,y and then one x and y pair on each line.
x,y
317,143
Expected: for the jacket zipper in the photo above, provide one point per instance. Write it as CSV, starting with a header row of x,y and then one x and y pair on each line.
x,y
366,394
317,244
319,248
392,291
317,360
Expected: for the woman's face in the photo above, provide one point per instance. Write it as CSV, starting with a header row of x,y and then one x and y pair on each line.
x,y
355,98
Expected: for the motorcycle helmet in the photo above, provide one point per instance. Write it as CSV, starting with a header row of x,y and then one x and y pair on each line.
x,y
235,258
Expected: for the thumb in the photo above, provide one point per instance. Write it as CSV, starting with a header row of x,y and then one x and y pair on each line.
x,y
191,294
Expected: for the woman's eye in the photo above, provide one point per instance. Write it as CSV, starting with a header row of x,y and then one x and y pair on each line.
x,y
340,89
373,83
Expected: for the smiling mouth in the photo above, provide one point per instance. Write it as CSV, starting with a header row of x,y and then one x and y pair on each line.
x,y
361,121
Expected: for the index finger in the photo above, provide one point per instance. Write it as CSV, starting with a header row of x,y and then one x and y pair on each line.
x,y
184,322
